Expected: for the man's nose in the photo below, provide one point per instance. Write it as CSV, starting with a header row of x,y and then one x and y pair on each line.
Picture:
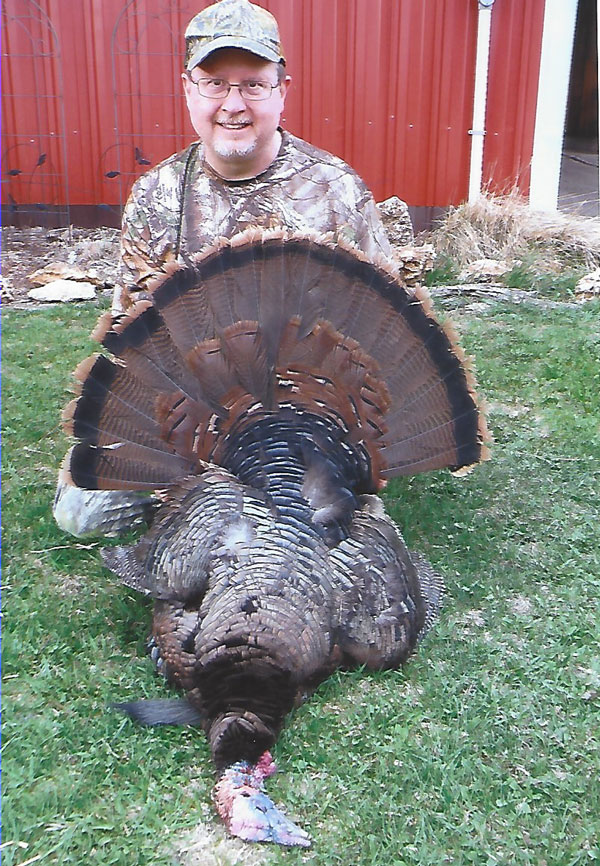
x,y
233,101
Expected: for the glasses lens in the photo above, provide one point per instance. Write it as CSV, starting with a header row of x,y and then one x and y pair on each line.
x,y
218,88
255,89
213,88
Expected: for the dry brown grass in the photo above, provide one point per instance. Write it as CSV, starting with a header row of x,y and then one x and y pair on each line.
x,y
505,228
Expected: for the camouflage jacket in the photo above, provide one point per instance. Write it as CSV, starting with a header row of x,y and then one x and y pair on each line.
x,y
181,205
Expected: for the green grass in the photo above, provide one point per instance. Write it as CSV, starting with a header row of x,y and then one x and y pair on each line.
x,y
484,750
445,273
525,275
549,285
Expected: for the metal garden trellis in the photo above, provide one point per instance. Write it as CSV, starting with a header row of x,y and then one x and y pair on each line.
x,y
143,44
34,141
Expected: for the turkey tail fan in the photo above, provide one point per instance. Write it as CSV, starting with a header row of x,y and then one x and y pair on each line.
x,y
263,324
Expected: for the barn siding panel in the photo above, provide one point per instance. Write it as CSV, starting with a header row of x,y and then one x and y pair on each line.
x,y
515,52
386,84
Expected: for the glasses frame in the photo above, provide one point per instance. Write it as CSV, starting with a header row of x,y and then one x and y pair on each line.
x,y
230,85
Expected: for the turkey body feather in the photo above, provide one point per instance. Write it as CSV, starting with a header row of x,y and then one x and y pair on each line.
x,y
271,386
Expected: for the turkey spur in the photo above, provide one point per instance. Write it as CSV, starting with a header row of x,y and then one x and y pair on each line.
x,y
267,390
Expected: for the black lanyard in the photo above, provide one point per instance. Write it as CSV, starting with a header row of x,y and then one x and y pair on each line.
x,y
188,165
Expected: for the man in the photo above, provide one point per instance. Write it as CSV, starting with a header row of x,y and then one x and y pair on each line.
x,y
243,171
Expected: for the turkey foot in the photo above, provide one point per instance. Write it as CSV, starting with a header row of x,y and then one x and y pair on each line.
x,y
247,811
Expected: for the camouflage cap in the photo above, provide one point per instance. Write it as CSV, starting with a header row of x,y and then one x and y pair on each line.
x,y
232,24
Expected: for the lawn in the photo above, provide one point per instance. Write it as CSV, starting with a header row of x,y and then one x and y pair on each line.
x,y
484,750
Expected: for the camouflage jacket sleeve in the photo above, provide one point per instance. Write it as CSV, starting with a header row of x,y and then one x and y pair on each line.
x,y
368,229
149,228
137,253
331,196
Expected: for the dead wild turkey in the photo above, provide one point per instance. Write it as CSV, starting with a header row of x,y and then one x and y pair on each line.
x,y
270,387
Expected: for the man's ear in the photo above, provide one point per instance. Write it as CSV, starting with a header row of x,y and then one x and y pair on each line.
x,y
285,85
188,87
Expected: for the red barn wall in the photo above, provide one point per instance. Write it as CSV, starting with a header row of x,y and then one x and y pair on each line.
x,y
92,94
515,52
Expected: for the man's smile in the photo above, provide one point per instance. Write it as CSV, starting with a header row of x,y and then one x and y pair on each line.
x,y
230,124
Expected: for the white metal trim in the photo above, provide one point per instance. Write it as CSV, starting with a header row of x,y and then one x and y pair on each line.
x,y
482,61
553,88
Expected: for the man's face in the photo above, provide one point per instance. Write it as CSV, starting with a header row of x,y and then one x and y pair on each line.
x,y
234,131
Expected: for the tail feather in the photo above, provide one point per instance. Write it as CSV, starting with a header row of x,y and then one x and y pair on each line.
x,y
143,342
307,303
115,410
213,373
274,310
247,355
423,453
124,467
263,322
107,391
169,711
186,315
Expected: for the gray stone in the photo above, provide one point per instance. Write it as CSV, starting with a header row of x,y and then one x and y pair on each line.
x,y
64,291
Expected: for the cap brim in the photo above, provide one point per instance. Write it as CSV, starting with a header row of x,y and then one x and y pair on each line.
x,y
232,42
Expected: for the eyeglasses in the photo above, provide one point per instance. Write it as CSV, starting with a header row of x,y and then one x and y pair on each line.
x,y
218,88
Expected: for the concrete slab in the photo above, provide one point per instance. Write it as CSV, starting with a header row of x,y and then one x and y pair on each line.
x,y
578,188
